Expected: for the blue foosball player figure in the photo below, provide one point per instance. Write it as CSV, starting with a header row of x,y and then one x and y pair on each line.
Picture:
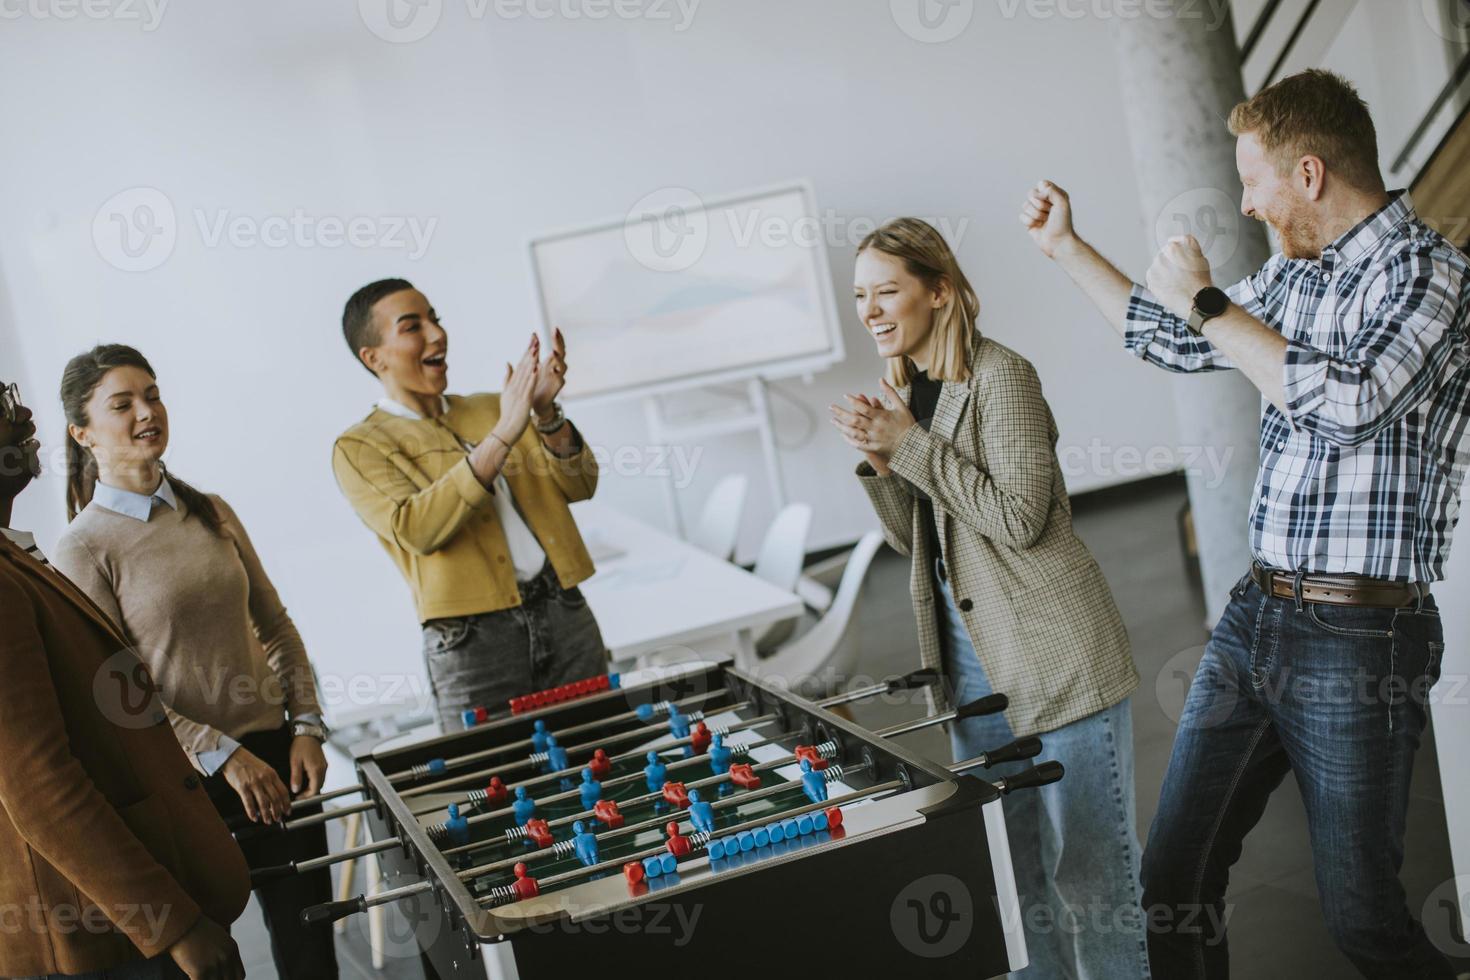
x,y
457,826
556,756
591,790
524,807
539,736
678,722
813,783
719,756
701,814
585,844
655,772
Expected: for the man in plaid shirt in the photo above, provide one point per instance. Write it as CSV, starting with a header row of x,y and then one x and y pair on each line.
x,y
1356,334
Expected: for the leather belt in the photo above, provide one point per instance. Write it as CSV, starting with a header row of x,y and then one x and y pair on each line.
x,y
1339,590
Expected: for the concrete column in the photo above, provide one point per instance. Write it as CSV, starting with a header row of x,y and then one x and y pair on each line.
x,y
1180,77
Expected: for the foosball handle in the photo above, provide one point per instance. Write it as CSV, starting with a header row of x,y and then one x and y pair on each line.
x,y
1022,748
259,876
988,705
922,677
332,911
1042,775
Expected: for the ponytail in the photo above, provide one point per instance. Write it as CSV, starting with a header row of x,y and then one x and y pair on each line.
x,y
81,477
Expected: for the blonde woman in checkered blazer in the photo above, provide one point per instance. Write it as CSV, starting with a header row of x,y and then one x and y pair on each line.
x,y
960,463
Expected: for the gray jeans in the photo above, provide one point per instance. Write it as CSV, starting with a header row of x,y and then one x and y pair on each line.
x,y
485,660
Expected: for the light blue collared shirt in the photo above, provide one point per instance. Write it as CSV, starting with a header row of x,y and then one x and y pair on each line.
x,y
140,508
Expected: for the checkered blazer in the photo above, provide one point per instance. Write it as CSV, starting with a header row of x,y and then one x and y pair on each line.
x,y
1040,614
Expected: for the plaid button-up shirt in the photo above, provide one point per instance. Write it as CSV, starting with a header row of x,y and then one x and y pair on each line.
x,y
1361,475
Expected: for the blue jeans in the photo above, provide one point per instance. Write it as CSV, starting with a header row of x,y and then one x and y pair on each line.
x,y
1073,844
550,639
1337,696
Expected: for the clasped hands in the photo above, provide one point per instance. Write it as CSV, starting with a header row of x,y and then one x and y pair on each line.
x,y
874,426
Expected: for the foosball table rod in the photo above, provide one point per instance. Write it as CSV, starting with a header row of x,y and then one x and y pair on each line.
x,y
915,679
1023,748
585,747
912,680
988,704
1048,772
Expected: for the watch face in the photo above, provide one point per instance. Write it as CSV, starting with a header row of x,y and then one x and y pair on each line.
x,y
1211,301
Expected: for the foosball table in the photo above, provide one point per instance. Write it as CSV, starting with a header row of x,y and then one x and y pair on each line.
x,y
698,818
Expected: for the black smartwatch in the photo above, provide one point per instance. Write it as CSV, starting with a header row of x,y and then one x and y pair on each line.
x,y
1209,303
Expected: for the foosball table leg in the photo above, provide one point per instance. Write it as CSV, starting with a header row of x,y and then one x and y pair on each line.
x,y
376,932
344,883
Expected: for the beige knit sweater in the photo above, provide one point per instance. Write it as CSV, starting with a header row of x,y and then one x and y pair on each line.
x,y
201,612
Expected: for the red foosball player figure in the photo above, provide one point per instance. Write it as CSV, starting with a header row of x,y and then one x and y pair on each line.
x,y
525,885
679,845
699,739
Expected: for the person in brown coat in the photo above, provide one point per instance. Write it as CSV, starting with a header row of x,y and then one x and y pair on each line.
x,y
112,858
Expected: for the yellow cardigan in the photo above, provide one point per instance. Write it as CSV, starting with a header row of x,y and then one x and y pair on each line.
x,y
410,481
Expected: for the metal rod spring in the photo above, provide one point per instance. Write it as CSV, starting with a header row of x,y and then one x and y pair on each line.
x,y
828,749
503,895
514,835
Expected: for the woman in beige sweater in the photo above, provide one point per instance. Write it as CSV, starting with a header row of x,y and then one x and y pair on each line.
x,y
176,570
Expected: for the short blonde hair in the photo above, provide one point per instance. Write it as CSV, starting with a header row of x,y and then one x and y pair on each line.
x,y
928,257
1314,113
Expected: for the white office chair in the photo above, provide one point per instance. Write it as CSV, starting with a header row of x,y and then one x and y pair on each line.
x,y
820,661
719,522
782,554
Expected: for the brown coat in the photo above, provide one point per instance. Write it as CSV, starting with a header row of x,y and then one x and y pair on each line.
x,y
1034,602
109,848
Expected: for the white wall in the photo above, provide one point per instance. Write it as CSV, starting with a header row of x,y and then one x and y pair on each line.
x,y
497,129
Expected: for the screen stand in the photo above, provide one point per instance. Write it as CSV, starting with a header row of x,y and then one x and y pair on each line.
x,y
755,416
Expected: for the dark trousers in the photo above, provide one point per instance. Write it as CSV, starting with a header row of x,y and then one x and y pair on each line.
x,y
1336,696
158,968
550,639
301,952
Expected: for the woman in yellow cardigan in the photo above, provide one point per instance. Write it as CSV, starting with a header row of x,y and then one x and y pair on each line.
x,y
468,495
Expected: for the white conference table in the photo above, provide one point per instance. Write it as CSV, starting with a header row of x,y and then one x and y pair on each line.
x,y
656,594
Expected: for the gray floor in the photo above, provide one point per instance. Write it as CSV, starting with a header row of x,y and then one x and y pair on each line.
x,y
1276,926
